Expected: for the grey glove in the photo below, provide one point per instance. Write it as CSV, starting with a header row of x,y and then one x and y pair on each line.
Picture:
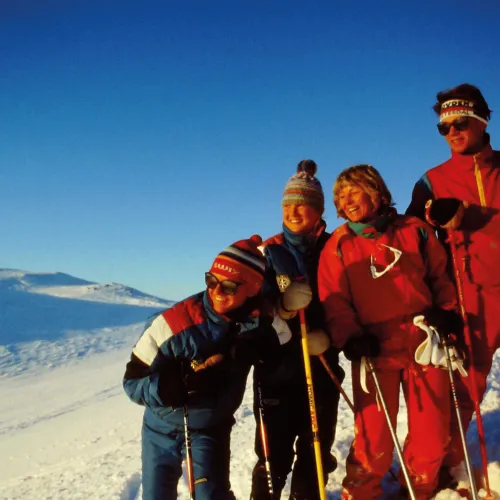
x,y
317,342
298,295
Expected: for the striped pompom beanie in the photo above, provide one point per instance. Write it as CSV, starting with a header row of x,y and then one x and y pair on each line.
x,y
303,188
242,261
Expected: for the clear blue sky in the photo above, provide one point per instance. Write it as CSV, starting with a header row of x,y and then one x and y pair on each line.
x,y
138,139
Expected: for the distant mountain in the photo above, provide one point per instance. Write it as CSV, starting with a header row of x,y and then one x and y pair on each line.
x,y
66,286
48,318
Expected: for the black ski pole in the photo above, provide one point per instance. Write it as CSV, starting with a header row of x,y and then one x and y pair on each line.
x,y
189,455
391,429
459,418
265,442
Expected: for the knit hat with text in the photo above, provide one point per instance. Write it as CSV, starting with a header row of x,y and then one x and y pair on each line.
x,y
242,261
303,188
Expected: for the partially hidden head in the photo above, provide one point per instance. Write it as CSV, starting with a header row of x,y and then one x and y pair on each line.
x,y
236,274
463,117
303,200
360,194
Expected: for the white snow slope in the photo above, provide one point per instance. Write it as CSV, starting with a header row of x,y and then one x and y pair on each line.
x,y
67,429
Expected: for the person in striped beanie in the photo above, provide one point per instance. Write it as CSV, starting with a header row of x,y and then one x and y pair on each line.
x,y
291,283
190,368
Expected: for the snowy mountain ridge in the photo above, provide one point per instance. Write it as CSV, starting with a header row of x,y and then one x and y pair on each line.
x,y
48,319
66,286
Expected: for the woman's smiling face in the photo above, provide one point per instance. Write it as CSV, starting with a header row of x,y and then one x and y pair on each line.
x,y
357,204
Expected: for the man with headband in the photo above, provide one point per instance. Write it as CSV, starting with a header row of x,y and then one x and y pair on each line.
x,y
469,179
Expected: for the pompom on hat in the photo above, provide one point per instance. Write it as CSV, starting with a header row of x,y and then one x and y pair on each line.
x,y
242,261
303,188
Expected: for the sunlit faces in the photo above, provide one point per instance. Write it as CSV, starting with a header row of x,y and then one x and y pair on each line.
x,y
301,219
357,204
223,302
470,139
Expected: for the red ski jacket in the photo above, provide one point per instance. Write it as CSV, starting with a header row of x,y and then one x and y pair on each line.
x,y
377,283
475,179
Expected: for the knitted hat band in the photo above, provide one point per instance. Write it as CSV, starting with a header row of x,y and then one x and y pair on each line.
x,y
242,261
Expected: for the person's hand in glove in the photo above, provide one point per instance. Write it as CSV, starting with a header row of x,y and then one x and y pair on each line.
x,y
447,323
364,345
171,386
444,212
318,342
297,295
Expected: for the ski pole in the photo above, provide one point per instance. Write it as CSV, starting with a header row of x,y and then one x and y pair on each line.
x,y
459,418
472,369
189,455
336,381
312,405
265,442
391,429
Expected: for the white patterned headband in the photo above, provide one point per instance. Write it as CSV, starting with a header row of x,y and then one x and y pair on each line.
x,y
459,107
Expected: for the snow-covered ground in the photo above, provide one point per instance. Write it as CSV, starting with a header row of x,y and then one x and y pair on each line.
x,y
67,430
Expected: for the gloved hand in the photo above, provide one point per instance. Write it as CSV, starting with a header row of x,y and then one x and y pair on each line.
x,y
259,346
364,345
171,386
447,323
444,212
297,295
318,342
208,363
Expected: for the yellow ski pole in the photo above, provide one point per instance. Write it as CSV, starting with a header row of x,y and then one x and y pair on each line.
x,y
312,406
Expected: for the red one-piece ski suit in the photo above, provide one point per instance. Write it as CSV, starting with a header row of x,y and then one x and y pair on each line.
x,y
355,301
475,179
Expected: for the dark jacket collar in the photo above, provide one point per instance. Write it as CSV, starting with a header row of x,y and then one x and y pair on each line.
x,y
304,241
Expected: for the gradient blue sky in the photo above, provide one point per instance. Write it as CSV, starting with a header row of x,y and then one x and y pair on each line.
x,y
141,138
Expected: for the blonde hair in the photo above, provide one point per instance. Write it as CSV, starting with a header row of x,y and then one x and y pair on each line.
x,y
369,180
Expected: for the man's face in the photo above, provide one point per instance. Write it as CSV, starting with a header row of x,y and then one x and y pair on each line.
x,y
224,302
301,219
467,140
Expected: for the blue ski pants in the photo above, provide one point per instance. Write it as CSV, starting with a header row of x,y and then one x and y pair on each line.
x,y
163,453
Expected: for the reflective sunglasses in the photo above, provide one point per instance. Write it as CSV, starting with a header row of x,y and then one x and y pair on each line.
x,y
397,255
227,287
460,124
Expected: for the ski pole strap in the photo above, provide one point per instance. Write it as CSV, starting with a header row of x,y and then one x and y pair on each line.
x,y
432,351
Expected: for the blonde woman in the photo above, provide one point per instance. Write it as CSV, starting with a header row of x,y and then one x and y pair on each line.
x,y
377,272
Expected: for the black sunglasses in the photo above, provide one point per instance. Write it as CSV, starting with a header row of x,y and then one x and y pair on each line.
x,y
460,124
227,287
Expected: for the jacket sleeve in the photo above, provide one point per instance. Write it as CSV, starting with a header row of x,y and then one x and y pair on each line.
x,y
141,379
341,321
422,192
443,290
